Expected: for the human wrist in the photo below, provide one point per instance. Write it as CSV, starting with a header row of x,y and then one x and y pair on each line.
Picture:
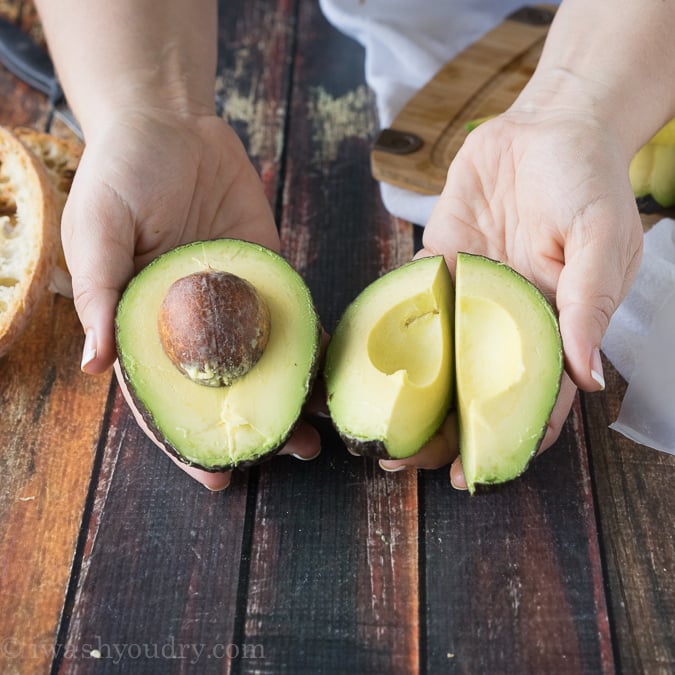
x,y
141,96
558,93
126,55
619,75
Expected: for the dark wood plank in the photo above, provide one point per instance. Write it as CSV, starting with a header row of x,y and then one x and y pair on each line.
x,y
636,509
514,580
252,81
333,571
333,565
157,584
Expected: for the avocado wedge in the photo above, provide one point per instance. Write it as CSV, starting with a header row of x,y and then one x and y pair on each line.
x,y
509,364
389,369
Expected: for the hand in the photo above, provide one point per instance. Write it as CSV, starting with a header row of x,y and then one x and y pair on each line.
x,y
148,182
548,194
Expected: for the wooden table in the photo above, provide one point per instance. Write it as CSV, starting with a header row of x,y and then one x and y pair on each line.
x,y
112,560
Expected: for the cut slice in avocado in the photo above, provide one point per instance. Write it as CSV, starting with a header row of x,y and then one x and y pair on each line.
x,y
509,363
389,363
218,427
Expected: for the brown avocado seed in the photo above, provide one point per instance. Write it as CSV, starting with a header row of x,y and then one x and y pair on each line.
x,y
213,326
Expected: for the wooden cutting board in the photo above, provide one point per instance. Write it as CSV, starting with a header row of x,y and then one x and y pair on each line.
x,y
484,79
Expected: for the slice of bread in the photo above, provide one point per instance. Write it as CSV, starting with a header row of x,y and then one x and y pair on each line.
x,y
60,158
29,235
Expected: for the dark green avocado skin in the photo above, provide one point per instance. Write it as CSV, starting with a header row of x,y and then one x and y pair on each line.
x,y
374,449
649,205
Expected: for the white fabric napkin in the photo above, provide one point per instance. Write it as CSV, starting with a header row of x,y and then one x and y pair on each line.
x,y
406,43
640,343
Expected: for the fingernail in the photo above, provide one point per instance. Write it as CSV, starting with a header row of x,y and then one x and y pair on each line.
x,y
307,459
458,475
89,349
217,488
353,452
394,469
596,368
457,487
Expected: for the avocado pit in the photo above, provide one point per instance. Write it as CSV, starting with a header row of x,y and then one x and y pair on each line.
x,y
214,327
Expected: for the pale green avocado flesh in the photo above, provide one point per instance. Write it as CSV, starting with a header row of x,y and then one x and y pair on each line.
x,y
217,428
509,363
389,370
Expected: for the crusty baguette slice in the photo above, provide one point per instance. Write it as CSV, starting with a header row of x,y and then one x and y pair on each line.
x,y
29,235
60,158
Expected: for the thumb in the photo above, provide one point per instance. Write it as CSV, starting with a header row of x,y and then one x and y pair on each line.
x,y
595,279
99,248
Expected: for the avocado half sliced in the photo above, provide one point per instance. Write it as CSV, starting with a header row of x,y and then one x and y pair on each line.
x,y
217,428
389,370
509,364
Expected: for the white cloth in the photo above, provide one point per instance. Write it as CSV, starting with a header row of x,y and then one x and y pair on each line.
x,y
640,343
406,43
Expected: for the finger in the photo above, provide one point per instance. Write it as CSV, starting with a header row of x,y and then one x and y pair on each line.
x,y
101,263
595,279
568,392
304,443
424,253
96,308
211,480
457,479
316,403
439,451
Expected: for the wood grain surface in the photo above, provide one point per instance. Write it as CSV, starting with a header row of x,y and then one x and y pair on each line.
x,y
113,561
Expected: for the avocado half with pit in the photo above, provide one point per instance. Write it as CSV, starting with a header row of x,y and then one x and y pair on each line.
x,y
388,369
509,364
218,343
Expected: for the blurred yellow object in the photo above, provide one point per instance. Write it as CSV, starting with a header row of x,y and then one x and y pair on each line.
x,y
652,170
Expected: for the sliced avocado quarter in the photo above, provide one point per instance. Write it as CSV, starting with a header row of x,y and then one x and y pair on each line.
x,y
509,363
389,369
220,427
